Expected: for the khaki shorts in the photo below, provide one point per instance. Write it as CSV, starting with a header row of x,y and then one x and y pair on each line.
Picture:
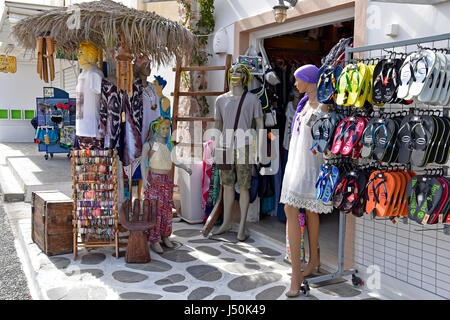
x,y
243,172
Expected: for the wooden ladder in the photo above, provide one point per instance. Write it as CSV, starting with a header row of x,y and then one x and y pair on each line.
x,y
177,93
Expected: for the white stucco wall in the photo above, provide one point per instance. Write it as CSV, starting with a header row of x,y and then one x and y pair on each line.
x,y
415,21
19,90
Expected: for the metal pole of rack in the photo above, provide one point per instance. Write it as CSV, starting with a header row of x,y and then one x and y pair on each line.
x,y
342,218
340,271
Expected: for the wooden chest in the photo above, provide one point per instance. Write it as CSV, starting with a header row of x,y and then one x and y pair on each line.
x,y
51,219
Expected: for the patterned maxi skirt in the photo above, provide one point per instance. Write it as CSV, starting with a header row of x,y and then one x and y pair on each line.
x,y
160,187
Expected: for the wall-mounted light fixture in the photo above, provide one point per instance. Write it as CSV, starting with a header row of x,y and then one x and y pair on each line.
x,y
280,10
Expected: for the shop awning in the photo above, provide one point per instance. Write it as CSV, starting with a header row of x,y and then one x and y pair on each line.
x,y
102,22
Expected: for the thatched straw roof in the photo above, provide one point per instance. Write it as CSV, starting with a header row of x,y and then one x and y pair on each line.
x,y
102,22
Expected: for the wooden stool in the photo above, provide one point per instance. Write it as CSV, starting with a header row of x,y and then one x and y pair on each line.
x,y
137,249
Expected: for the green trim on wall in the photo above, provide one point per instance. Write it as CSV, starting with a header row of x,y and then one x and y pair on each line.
x,y
4,114
16,114
28,114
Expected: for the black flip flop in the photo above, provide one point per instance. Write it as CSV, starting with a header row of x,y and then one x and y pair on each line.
x,y
422,133
404,140
443,141
446,151
423,196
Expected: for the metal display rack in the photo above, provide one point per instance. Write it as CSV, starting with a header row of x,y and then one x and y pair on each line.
x,y
53,96
385,49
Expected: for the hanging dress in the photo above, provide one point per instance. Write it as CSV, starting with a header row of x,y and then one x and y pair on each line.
x,y
302,168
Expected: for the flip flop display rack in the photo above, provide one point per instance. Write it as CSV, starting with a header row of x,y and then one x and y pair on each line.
x,y
95,205
386,141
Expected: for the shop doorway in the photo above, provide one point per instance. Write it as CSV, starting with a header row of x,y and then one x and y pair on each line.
x,y
286,53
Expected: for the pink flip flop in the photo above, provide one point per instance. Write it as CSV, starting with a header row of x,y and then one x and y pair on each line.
x,y
354,132
338,136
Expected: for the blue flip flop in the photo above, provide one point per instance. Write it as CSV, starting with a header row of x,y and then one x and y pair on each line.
x,y
332,179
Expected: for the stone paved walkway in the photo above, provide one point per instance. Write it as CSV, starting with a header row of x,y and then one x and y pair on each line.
x,y
198,268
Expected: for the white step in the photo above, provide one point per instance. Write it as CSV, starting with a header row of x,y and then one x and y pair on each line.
x,y
34,173
9,187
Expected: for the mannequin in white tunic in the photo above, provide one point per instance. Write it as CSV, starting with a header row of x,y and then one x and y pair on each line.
x,y
302,169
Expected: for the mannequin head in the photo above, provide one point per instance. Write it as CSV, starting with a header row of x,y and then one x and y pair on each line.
x,y
306,78
160,128
160,84
238,75
87,55
142,67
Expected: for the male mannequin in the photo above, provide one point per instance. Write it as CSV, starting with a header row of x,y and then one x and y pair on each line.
x,y
158,182
225,115
88,98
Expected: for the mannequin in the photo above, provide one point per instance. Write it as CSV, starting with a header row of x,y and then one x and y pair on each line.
x,y
225,114
301,172
88,92
164,102
150,106
158,182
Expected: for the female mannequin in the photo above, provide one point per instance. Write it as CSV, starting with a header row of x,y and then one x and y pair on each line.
x,y
158,182
301,173
164,102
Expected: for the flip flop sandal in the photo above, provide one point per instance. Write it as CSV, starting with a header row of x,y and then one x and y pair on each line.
x,y
383,193
440,79
382,136
321,182
437,140
404,140
317,135
332,180
339,135
409,175
421,134
446,209
406,78
431,83
360,205
377,82
329,124
434,217
371,69
424,194
352,135
433,198
326,85
445,144
433,144
357,78
401,198
391,80
395,141
446,86
396,204
342,87
391,154
365,89
350,195
424,64
368,138
356,152
370,194
338,194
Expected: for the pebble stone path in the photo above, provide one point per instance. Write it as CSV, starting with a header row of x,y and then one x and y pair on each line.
x,y
197,268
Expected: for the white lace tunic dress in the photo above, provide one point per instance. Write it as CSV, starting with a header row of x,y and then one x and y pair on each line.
x,y
302,168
